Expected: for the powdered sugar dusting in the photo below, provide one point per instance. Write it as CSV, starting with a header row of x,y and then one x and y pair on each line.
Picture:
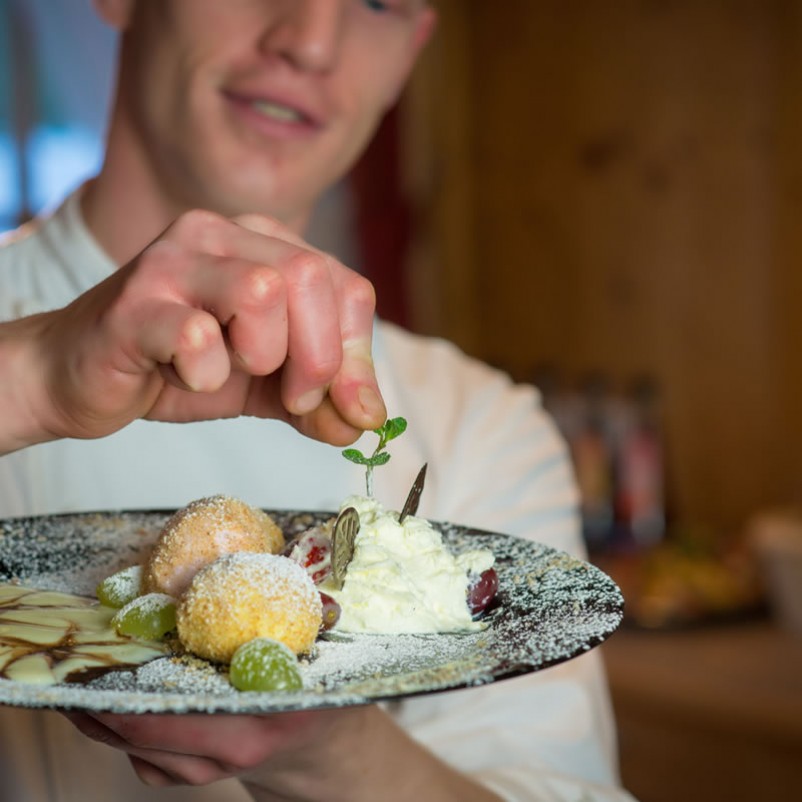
x,y
251,569
125,583
551,607
246,595
73,553
199,533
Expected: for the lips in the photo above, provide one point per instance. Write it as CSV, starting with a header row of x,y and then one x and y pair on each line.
x,y
278,112
274,111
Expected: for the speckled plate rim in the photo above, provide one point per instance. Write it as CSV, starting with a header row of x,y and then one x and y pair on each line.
x,y
553,608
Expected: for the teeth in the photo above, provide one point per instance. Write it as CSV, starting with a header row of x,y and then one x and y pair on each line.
x,y
275,112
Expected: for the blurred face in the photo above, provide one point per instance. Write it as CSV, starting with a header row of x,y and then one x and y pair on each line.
x,y
258,105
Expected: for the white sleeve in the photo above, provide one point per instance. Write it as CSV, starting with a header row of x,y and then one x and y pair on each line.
x,y
543,737
547,735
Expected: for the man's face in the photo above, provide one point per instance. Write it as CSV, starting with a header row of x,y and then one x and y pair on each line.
x,y
259,105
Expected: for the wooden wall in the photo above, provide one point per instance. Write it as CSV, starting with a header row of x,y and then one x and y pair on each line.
x,y
788,247
617,185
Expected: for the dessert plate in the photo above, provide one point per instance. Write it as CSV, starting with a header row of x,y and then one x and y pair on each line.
x,y
550,608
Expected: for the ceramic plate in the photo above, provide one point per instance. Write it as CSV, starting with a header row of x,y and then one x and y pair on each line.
x,y
551,607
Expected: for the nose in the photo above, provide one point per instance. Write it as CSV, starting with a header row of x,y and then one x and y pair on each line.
x,y
306,33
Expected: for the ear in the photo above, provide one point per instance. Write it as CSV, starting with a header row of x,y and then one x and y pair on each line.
x,y
115,13
424,28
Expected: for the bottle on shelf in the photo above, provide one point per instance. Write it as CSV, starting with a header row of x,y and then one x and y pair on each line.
x,y
592,451
640,491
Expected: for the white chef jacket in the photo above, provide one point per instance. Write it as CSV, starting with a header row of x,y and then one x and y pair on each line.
x,y
495,462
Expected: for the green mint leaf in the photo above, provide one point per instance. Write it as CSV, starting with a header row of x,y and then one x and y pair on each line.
x,y
355,455
390,429
394,427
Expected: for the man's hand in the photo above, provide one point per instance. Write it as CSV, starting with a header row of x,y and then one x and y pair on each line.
x,y
216,318
356,754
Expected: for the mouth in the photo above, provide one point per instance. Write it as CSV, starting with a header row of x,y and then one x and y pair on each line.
x,y
273,114
278,112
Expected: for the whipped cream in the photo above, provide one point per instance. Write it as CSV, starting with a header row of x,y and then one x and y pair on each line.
x,y
402,578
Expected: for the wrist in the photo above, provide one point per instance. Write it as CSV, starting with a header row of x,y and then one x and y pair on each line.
x,y
363,756
23,385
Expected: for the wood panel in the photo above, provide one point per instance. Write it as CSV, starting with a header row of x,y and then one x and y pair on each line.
x,y
710,715
620,164
788,250
440,179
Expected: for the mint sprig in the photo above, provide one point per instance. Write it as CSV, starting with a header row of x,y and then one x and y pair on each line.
x,y
392,428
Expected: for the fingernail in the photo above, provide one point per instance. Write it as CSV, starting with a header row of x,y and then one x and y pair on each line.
x,y
371,403
308,401
243,361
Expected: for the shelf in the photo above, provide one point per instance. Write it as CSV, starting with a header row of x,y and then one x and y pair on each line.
x,y
708,714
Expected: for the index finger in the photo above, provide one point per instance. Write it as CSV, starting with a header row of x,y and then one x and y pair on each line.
x,y
354,390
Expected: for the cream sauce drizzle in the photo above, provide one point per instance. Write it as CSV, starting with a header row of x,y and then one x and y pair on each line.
x,y
47,637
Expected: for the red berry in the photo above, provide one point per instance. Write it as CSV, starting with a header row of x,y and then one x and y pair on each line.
x,y
482,590
312,551
314,555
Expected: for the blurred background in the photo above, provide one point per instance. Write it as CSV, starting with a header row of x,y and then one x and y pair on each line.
x,y
602,197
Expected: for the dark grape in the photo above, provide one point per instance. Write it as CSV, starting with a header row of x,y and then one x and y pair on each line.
x,y
482,590
331,612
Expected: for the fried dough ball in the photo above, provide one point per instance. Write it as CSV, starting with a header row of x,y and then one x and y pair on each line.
x,y
244,596
200,533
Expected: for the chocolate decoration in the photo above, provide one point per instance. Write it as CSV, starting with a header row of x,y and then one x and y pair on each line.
x,y
413,499
346,528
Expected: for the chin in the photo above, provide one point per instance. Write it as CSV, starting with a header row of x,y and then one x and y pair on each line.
x,y
233,201
223,192
242,183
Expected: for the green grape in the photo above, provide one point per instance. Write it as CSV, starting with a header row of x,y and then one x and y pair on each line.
x,y
120,588
150,617
263,664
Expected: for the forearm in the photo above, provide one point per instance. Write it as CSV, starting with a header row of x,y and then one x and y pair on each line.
x,y
372,758
22,384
